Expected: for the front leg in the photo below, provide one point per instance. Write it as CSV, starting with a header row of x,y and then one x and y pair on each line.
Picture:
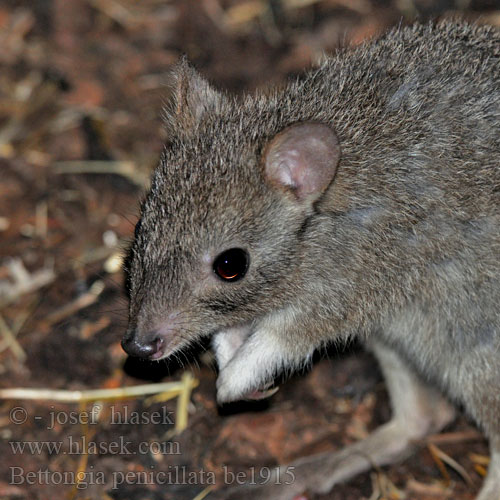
x,y
272,346
225,343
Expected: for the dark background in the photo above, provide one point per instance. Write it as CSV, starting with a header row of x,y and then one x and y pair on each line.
x,y
81,92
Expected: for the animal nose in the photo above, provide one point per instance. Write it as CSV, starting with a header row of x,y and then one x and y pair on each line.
x,y
152,349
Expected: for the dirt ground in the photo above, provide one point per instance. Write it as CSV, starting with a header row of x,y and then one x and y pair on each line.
x,y
82,84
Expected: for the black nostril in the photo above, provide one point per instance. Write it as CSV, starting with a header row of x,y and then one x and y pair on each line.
x,y
140,349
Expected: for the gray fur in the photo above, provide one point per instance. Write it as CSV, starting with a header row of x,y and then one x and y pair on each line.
x,y
403,247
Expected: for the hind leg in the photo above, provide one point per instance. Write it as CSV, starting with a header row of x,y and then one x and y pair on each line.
x,y
491,486
418,410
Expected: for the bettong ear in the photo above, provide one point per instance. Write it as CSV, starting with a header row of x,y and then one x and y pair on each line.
x,y
192,97
303,159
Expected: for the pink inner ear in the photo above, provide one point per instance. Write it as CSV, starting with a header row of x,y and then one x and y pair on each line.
x,y
304,157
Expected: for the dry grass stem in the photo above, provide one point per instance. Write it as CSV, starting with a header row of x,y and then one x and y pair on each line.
x,y
181,421
479,459
10,341
204,493
174,388
440,456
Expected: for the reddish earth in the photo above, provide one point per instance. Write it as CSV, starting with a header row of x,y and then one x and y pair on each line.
x,y
83,80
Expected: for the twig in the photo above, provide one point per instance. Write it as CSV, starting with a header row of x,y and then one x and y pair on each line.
x,y
439,455
93,255
24,282
126,169
204,493
84,458
41,219
18,324
479,459
11,341
454,437
115,11
437,489
83,301
245,12
383,487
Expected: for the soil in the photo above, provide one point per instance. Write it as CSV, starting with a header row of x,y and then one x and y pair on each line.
x,y
82,85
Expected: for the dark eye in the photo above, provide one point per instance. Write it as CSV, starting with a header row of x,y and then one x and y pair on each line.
x,y
232,264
